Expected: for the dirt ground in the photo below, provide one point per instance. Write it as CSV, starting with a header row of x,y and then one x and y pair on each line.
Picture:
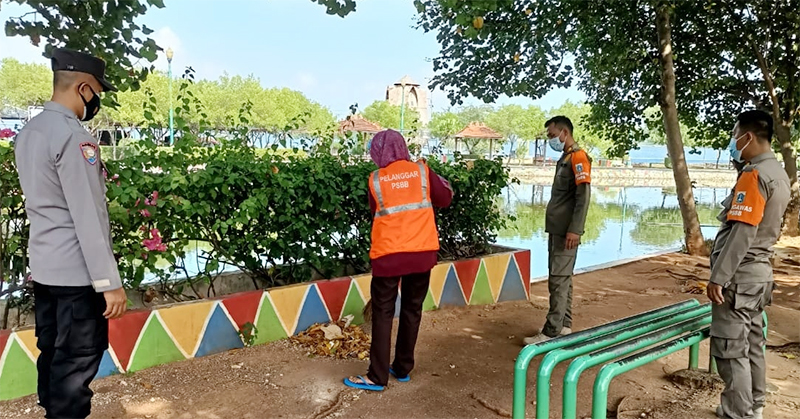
x,y
465,360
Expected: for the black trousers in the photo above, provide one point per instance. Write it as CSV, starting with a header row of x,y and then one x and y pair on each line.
x,y
384,296
72,335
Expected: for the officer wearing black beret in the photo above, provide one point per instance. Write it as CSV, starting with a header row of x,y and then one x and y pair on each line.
x,y
77,287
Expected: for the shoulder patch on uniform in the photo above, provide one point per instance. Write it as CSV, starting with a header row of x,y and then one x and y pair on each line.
x,y
89,151
581,167
748,203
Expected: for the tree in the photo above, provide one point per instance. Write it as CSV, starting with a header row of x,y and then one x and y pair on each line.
x,y
388,116
444,125
517,123
102,28
742,54
655,129
621,50
585,133
24,84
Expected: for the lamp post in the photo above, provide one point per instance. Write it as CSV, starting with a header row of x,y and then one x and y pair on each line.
x,y
402,106
170,54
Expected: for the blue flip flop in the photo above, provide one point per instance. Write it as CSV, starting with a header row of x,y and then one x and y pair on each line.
x,y
362,385
405,379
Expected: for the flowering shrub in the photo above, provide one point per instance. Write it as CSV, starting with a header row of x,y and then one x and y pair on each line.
x,y
7,133
281,217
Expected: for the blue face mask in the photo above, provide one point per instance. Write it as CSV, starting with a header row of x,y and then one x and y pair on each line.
x,y
556,144
736,154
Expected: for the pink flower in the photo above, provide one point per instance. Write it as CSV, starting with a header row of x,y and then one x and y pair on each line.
x,y
137,203
154,244
145,213
152,200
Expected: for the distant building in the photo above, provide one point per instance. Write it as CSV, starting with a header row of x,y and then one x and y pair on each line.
x,y
416,97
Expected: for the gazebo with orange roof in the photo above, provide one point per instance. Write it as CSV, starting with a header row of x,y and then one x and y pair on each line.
x,y
479,130
358,124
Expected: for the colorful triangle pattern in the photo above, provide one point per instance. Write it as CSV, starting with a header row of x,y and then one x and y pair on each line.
x,y
18,372
429,304
145,338
467,271
107,366
452,294
268,324
354,304
513,288
438,277
4,336
155,346
185,323
524,263
287,302
220,334
334,293
27,338
482,294
313,310
243,307
123,334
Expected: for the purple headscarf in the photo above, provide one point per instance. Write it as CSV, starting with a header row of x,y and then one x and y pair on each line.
x,y
388,147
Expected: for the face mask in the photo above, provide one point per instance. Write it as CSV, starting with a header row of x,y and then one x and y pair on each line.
x,y
736,154
556,144
90,107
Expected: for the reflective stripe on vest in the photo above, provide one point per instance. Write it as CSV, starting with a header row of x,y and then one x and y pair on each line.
x,y
383,211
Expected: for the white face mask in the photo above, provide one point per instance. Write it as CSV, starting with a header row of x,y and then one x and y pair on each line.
x,y
556,144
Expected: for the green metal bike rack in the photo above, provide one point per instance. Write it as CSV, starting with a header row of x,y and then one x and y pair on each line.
x,y
583,363
554,357
529,352
609,371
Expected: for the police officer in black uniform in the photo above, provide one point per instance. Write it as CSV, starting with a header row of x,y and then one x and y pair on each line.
x,y
77,287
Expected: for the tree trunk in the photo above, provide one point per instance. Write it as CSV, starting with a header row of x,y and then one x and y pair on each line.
x,y
695,245
791,218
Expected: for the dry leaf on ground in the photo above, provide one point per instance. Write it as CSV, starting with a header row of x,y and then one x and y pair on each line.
x,y
337,339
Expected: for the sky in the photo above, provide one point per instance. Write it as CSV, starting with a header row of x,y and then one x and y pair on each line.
x,y
294,43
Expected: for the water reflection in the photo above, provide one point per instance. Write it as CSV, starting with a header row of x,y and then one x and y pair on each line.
x,y
623,222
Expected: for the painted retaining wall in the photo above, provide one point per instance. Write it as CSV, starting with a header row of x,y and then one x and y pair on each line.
x,y
150,337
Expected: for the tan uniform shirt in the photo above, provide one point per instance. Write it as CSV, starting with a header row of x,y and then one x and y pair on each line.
x,y
751,223
570,195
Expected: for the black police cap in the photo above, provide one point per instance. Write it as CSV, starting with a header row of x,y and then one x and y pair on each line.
x,y
70,60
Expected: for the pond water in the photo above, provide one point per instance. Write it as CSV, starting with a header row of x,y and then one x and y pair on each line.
x,y
623,222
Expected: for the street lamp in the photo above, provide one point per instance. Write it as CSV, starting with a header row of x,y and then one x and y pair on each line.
x,y
170,54
402,105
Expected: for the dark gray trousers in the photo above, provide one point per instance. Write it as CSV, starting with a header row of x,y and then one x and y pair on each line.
x,y
560,263
737,344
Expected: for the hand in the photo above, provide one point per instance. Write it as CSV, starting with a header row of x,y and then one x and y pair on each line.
x,y
116,303
714,292
573,240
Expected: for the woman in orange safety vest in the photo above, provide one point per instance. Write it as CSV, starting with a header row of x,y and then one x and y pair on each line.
x,y
405,243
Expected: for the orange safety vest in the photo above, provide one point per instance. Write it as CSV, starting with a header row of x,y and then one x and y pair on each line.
x,y
404,220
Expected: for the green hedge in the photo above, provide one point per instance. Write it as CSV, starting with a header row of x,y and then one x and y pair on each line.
x,y
280,217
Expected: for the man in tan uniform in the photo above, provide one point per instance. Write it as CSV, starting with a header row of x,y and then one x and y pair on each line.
x,y
741,272
564,221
